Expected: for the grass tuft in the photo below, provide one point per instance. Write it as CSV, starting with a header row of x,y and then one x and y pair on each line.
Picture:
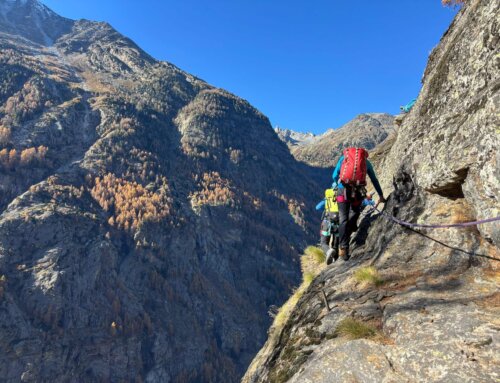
x,y
368,275
355,329
316,254
286,309
311,263
308,278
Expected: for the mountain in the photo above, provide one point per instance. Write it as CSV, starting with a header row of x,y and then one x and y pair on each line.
x,y
365,130
32,20
415,304
292,138
147,219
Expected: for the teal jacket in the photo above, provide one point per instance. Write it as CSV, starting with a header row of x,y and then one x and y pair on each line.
x,y
369,170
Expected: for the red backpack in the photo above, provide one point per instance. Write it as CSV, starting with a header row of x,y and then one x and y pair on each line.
x,y
353,170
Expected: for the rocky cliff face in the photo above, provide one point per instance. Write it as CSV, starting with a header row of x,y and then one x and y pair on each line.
x,y
416,305
366,130
32,20
147,219
292,138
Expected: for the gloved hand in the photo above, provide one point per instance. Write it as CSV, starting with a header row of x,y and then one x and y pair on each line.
x,y
381,199
368,202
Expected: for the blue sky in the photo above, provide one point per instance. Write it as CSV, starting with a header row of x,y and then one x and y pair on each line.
x,y
308,66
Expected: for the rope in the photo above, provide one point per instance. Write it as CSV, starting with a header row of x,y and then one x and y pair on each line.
x,y
411,226
446,226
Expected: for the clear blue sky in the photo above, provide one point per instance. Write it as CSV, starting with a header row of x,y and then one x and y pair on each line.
x,y
307,65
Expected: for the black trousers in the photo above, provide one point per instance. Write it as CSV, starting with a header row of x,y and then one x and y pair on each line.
x,y
329,224
329,241
348,218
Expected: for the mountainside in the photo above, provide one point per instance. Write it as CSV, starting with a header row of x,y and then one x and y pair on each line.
x,y
292,138
147,219
32,20
366,130
416,305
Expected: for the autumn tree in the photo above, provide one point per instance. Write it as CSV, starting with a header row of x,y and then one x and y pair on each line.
x,y
27,156
4,158
11,159
41,153
130,203
4,135
214,191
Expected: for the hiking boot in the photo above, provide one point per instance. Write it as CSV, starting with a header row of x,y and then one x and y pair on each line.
x,y
344,254
331,256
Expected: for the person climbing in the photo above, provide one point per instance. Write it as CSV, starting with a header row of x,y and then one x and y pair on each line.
x,y
349,178
406,108
329,232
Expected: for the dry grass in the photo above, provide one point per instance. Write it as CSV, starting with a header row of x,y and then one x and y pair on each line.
x,y
315,253
312,263
368,276
285,310
354,329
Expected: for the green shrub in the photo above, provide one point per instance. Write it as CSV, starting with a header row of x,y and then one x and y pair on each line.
x,y
355,329
368,275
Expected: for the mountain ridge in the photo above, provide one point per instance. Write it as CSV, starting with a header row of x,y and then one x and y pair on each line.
x,y
139,206
323,150
29,18
365,130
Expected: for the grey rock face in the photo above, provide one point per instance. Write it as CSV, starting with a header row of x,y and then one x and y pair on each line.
x,y
434,318
450,140
356,361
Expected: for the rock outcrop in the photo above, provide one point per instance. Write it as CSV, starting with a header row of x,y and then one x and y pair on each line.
x,y
416,305
147,219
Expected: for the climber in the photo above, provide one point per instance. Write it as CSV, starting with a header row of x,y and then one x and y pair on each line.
x,y
329,232
406,108
349,178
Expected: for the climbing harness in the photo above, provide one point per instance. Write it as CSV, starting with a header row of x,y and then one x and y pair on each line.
x,y
446,226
